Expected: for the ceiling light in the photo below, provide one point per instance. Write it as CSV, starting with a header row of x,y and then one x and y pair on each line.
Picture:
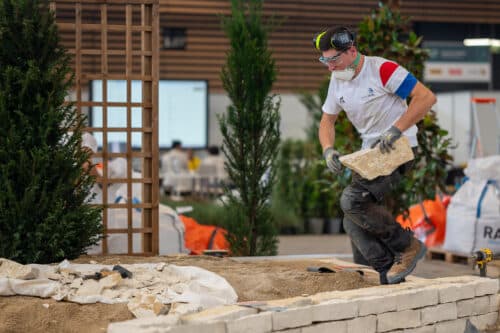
x,y
482,42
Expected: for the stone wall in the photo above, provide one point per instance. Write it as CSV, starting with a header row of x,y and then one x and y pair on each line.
x,y
419,306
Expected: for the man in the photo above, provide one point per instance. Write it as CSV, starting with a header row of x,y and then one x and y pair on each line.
x,y
372,91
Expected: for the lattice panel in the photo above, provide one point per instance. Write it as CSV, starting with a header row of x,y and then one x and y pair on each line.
x,y
119,40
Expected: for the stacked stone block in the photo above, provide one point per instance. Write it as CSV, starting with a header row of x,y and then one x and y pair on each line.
x,y
421,306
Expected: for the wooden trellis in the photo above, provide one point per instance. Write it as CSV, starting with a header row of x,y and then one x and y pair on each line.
x,y
119,40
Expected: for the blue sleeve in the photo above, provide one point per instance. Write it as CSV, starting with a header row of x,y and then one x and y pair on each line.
x,y
406,86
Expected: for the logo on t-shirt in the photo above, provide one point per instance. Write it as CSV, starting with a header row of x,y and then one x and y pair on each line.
x,y
371,93
341,100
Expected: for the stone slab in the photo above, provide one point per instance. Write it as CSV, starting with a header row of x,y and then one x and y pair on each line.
x,y
396,320
258,323
14,270
226,312
371,163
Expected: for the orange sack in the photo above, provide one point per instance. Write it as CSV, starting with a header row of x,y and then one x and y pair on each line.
x,y
429,224
199,237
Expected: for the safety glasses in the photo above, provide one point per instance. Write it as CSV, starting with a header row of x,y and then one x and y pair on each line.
x,y
327,60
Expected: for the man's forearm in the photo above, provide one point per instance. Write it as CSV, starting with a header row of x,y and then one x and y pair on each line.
x,y
326,135
420,104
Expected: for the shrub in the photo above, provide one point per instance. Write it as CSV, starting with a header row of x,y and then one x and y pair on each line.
x,y
44,211
250,130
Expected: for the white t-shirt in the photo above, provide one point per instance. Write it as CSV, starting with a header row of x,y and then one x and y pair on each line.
x,y
374,100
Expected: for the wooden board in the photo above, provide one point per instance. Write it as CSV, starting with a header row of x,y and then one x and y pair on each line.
x,y
437,253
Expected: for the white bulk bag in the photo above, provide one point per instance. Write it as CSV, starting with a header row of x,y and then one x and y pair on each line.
x,y
171,229
473,216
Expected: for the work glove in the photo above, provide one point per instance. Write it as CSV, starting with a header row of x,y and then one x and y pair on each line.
x,y
387,139
332,160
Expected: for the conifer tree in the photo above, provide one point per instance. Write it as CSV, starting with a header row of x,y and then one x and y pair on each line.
x,y
44,211
250,129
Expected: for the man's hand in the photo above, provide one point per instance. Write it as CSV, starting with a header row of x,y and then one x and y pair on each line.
x,y
387,139
332,160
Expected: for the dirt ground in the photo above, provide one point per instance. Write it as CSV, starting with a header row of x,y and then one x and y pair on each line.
x,y
252,281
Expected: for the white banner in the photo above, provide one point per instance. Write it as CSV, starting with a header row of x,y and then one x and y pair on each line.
x,y
457,72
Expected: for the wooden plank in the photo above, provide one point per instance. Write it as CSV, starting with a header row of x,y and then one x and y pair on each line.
x,y
128,69
437,253
88,27
155,196
146,69
110,2
104,69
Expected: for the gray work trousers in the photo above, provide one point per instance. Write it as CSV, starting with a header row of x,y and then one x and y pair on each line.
x,y
374,232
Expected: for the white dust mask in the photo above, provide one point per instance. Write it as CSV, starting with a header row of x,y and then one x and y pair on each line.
x,y
348,73
344,74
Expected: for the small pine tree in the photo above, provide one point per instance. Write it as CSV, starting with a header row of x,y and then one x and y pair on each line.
x,y
44,211
250,129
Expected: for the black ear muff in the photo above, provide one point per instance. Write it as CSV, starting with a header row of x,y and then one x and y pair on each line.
x,y
342,40
317,39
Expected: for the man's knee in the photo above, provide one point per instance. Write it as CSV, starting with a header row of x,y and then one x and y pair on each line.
x,y
353,201
346,201
348,225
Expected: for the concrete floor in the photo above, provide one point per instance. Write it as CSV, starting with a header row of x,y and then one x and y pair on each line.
x,y
339,244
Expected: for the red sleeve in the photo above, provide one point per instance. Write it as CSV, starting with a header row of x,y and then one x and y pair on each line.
x,y
386,71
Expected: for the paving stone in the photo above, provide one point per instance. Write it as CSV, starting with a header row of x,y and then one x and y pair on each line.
x,y
334,310
291,302
456,279
494,303
226,312
483,321
144,325
258,323
377,304
451,292
330,327
451,326
423,329
397,320
441,312
413,299
366,324
473,307
214,327
486,286
371,163
292,318
293,330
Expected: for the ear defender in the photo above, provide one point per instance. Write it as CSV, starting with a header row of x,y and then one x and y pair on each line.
x,y
340,40
317,40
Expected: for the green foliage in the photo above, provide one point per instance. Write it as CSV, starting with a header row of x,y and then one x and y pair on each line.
x,y
250,129
387,34
324,188
304,186
44,211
